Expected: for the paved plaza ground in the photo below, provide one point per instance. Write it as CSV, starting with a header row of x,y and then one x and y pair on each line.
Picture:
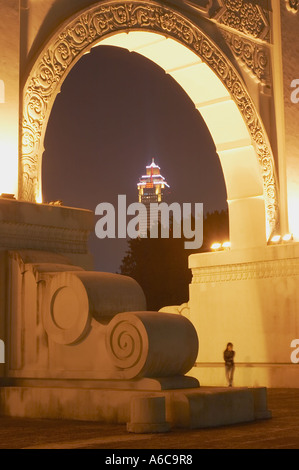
x,y
280,432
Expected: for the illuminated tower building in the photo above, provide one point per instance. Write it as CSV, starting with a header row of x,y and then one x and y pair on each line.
x,y
152,188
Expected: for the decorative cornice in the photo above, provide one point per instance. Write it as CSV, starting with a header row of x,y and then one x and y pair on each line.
x,y
246,17
246,271
86,29
41,237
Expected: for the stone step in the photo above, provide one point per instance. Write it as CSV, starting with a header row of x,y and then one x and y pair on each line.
x,y
186,408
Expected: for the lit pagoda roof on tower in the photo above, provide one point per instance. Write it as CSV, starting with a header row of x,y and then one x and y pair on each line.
x,y
152,189
153,165
152,177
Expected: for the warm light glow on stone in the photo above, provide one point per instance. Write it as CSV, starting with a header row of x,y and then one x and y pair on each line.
x,y
169,54
39,199
226,245
201,84
216,246
293,203
2,92
8,163
226,125
8,146
133,40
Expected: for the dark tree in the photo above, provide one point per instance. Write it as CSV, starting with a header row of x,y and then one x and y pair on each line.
x,y
160,265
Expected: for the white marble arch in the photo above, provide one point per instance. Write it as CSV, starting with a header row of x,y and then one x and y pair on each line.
x,y
204,72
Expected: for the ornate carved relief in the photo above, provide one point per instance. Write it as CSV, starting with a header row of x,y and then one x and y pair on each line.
x,y
292,5
246,17
42,237
85,30
254,55
245,271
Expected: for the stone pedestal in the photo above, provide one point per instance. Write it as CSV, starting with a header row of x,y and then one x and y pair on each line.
x,y
80,344
48,228
148,415
187,408
250,298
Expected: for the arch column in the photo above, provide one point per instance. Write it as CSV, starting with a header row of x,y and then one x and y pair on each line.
x,y
9,96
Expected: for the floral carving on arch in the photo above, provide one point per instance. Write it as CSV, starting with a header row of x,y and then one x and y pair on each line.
x,y
87,28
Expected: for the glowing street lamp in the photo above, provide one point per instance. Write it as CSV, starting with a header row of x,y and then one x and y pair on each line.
x,y
226,245
287,237
276,239
216,246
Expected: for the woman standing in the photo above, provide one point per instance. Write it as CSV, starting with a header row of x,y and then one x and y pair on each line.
x,y
228,356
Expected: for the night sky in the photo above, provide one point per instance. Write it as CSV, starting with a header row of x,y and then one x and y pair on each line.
x,y
116,111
